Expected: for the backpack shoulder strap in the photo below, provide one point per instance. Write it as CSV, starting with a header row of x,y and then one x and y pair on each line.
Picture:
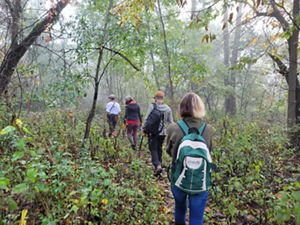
x,y
154,106
112,107
184,127
202,128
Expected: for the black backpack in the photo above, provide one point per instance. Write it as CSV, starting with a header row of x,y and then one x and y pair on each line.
x,y
155,122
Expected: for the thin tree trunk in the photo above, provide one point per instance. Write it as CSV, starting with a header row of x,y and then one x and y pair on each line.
x,y
21,96
95,97
193,13
17,51
109,83
226,57
154,69
248,80
293,111
231,110
151,50
97,78
168,61
15,9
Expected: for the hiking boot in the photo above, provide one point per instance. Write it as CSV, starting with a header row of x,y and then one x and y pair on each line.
x,y
158,170
133,147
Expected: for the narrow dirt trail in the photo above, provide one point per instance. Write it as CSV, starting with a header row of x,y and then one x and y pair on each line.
x,y
164,184
167,208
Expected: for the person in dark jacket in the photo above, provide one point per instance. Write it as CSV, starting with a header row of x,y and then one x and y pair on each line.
x,y
133,120
192,111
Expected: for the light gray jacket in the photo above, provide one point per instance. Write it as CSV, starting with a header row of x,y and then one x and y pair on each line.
x,y
168,117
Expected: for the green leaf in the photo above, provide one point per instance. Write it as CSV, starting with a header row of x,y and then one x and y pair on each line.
x,y
26,130
107,182
20,188
17,155
48,221
297,213
12,204
283,214
4,182
296,195
232,209
31,174
41,187
21,144
74,209
7,130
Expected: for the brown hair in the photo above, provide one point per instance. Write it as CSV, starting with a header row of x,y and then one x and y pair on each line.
x,y
159,94
192,106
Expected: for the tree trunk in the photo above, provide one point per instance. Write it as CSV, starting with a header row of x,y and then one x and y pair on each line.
x,y
245,86
293,105
109,83
151,50
193,8
226,59
97,78
15,10
168,61
298,102
231,100
16,51
95,97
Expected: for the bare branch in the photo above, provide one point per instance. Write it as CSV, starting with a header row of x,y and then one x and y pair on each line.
x,y
290,16
21,94
50,50
123,56
10,6
276,13
105,68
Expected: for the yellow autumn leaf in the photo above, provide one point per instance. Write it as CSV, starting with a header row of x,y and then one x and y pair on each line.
x,y
19,122
23,217
123,126
253,41
274,37
104,201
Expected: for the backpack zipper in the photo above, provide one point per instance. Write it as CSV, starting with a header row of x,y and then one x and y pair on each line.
x,y
192,180
204,176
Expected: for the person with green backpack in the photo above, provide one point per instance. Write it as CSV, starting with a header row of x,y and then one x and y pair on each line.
x,y
189,142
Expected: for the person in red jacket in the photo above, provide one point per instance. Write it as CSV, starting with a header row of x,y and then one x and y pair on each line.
x,y
133,120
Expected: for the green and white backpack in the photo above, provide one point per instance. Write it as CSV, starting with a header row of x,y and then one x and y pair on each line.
x,y
192,170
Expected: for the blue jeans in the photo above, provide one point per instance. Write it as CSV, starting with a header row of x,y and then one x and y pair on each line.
x,y
197,203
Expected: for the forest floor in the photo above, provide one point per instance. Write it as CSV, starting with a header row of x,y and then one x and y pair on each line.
x,y
168,200
49,178
162,181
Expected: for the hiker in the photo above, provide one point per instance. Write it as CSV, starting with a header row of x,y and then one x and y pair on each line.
x,y
132,120
158,116
192,111
113,110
